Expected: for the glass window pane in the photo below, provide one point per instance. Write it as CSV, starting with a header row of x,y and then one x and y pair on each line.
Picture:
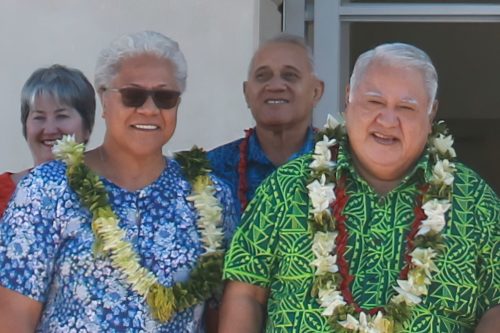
x,y
425,1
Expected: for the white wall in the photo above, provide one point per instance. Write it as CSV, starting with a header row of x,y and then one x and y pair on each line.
x,y
217,38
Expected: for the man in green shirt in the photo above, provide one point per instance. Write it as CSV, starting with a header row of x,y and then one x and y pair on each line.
x,y
379,230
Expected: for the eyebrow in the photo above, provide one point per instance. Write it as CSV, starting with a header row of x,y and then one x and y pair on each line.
x,y
408,100
266,67
56,110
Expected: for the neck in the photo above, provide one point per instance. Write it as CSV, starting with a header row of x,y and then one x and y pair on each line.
x,y
280,145
380,186
128,172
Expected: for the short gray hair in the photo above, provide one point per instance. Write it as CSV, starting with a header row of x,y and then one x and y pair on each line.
x,y
286,38
135,44
400,54
68,86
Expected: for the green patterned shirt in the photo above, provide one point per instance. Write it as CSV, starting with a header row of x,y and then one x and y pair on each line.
x,y
272,249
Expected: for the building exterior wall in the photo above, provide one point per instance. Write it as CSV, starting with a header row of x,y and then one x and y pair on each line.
x,y
217,38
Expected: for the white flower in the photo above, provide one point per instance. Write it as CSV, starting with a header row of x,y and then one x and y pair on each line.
x,y
444,144
331,122
407,293
68,150
210,218
351,322
325,264
322,155
422,258
324,243
321,195
382,325
443,172
330,299
435,211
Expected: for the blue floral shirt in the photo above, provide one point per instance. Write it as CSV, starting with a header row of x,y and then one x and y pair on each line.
x,y
226,158
46,250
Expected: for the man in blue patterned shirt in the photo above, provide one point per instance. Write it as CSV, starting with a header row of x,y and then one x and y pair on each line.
x,y
281,92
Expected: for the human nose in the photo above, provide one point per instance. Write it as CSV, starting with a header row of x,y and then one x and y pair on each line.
x,y
276,83
50,126
388,117
149,107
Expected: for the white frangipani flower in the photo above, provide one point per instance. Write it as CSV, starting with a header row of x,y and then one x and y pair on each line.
x,y
325,264
330,299
321,194
351,323
444,144
443,172
435,211
324,243
322,157
423,259
406,293
331,122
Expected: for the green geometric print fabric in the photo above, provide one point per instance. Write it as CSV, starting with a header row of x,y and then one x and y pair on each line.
x,y
272,249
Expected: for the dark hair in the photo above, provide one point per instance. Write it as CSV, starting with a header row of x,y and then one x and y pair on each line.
x,y
67,85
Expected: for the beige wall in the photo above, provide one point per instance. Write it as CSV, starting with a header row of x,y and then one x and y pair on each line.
x,y
217,37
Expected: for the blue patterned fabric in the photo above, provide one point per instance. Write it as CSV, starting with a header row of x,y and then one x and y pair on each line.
x,y
226,158
46,251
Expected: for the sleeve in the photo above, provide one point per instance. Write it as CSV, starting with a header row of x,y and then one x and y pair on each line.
x,y
252,253
487,212
28,238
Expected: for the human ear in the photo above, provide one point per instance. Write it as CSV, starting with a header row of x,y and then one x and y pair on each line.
x,y
318,91
245,93
433,112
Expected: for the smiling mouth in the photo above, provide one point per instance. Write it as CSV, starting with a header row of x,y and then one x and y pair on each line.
x,y
384,139
276,101
50,143
143,127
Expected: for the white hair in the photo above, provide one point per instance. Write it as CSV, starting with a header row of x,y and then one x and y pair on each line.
x,y
398,54
134,44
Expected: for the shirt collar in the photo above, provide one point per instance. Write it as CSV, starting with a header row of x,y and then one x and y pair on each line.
x,y
256,154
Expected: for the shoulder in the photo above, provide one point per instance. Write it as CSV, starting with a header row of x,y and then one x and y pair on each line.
x,y
288,180
468,183
6,179
224,151
474,200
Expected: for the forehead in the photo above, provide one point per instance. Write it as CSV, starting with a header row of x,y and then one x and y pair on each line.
x,y
279,55
384,79
146,67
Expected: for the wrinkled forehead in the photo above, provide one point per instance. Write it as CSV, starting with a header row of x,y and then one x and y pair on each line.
x,y
279,55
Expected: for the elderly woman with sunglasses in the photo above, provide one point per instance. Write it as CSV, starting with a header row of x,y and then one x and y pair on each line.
x,y
120,238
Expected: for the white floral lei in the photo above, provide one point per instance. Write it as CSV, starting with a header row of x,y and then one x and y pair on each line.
x,y
110,238
409,291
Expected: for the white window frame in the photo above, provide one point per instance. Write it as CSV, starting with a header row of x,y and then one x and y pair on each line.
x,y
331,19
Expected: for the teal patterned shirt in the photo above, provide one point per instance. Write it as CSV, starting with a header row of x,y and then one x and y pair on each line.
x,y
272,249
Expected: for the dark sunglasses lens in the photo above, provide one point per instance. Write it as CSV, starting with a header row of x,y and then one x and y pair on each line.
x,y
165,99
134,98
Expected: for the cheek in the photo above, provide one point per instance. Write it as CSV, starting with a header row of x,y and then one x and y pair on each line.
x,y
32,131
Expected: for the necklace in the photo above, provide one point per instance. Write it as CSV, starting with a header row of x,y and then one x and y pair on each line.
x,y
110,238
242,169
328,199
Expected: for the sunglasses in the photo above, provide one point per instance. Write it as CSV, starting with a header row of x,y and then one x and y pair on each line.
x,y
136,97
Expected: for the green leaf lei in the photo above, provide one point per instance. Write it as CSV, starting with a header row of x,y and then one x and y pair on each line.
x,y
110,240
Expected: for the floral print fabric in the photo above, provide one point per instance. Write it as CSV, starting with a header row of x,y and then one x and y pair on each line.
x,y
46,251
